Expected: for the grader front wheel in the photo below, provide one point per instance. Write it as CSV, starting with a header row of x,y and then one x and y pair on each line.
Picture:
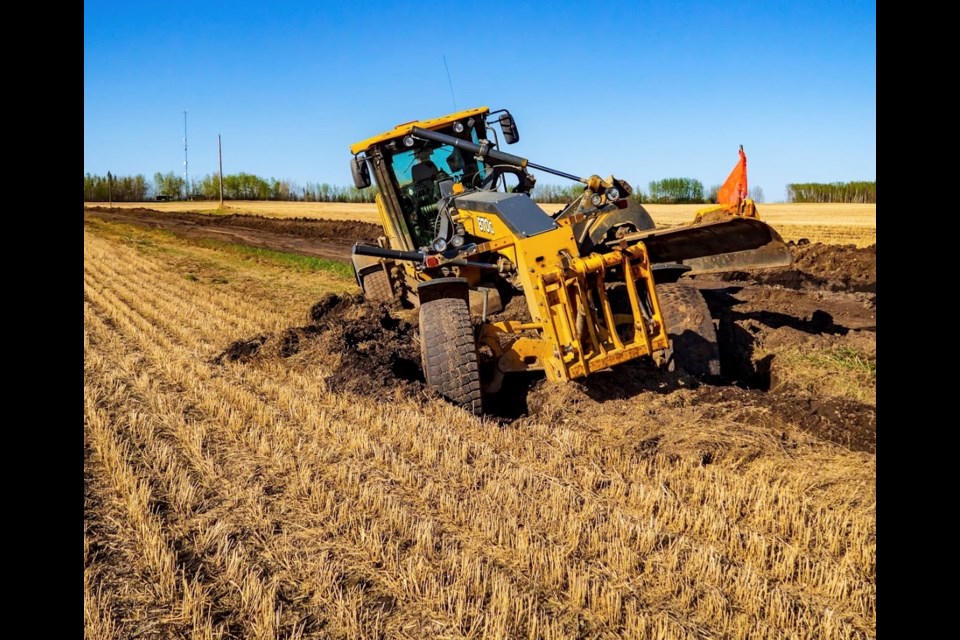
x,y
692,336
377,286
449,352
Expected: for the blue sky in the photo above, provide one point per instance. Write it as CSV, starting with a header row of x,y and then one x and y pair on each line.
x,y
643,90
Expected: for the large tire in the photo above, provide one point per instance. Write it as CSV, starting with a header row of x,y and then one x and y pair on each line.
x,y
449,352
377,286
690,327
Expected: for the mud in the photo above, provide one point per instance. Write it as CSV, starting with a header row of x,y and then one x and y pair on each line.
x,y
242,350
376,352
377,349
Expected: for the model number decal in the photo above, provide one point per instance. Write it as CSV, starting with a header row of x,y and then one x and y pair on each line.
x,y
484,225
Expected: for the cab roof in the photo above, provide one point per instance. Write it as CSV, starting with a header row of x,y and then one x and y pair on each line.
x,y
403,129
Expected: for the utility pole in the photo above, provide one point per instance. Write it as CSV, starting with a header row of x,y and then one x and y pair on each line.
x,y
220,157
110,188
186,173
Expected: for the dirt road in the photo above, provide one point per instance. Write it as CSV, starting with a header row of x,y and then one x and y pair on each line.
x,y
329,239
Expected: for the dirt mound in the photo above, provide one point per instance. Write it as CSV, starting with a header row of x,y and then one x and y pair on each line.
x,y
378,350
755,324
855,269
242,350
334,230
373,349
818,266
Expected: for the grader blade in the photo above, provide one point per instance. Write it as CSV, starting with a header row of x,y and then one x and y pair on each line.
x,y
733,244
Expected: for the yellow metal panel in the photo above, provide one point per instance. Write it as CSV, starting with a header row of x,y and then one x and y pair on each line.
x,y
394,228
572,317
403,129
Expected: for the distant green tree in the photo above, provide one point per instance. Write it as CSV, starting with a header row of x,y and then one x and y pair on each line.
x,y
125,188
168,184
858,192
556,194
676,191
639,195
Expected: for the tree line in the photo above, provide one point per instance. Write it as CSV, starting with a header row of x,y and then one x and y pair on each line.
x,y
124,188
859,192
666,191
239,186
675,191
246,186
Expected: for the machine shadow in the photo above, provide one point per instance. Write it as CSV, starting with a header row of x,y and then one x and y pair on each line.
x,y
738,336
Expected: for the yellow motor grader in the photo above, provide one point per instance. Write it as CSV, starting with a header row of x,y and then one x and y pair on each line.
x,y
602,284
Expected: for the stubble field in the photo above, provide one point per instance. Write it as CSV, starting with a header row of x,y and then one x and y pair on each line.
x,y
261,465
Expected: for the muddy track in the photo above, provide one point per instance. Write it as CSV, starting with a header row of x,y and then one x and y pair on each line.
x,y
330,239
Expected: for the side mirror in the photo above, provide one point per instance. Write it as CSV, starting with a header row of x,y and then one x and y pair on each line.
x,y
360,171
510,132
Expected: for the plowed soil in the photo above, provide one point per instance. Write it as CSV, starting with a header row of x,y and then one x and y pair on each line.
x,y
329,239
822,267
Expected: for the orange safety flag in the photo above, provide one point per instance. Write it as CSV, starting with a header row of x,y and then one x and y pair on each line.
x,y
734,190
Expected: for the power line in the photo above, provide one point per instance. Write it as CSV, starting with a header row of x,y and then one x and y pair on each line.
x,y
449,81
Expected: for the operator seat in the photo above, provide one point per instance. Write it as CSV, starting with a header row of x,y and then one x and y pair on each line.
x,y
425,171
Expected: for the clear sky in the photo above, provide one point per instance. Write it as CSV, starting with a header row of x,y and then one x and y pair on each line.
x,y
643,90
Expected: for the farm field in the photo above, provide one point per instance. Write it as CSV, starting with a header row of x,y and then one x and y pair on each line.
x,y
828,223
262,459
